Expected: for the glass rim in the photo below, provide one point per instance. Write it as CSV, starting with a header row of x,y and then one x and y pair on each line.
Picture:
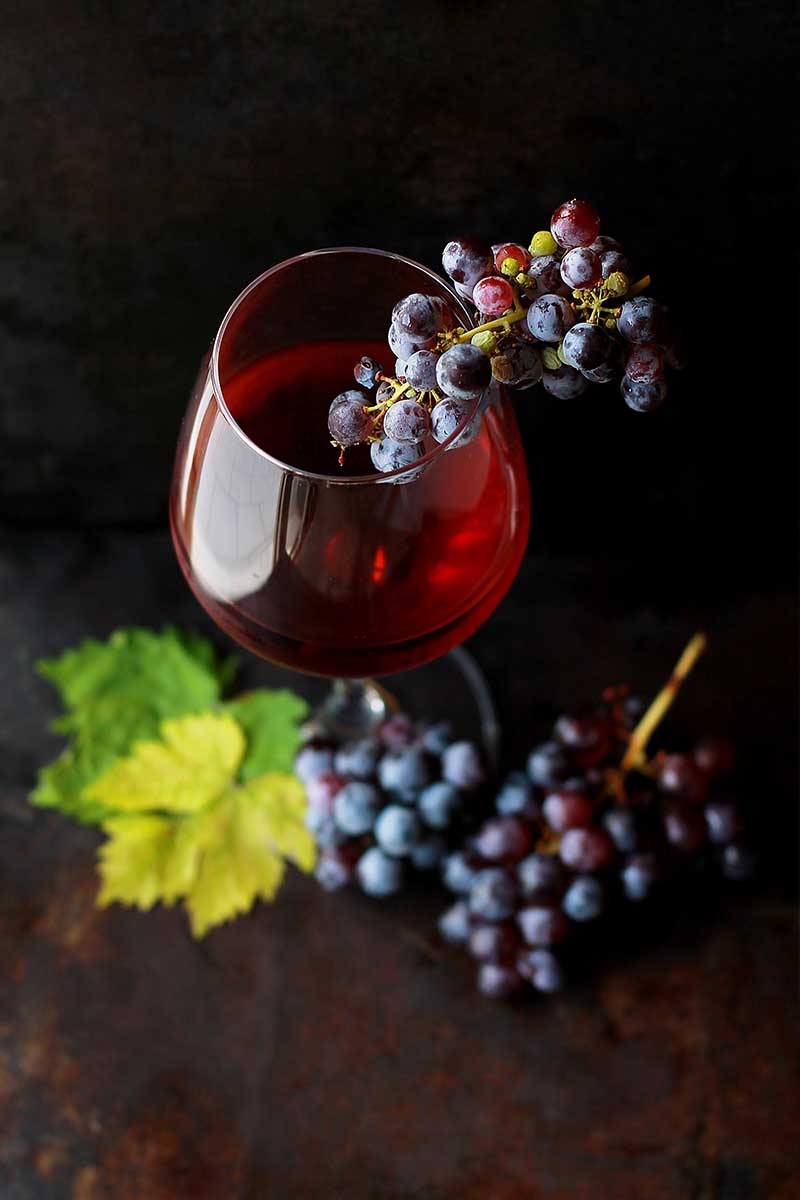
x,y
335,480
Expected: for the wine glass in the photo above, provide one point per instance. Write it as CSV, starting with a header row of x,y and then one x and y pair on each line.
x,y
339,571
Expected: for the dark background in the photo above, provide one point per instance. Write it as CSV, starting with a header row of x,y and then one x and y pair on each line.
x,y
154,158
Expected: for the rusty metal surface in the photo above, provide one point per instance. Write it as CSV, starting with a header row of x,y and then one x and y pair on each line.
x,y
324,1047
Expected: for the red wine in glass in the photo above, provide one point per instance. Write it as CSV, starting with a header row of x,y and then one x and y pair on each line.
x,y
336,571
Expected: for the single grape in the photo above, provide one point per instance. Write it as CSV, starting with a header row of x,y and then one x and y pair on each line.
x,y
543,243
493,895
462,765
436,738
544,277
335,868
549,318
586,849
466,260
644,363
493,296
399,372
467,435
586,346
640,875
356,807
385,391
723,820
565,810
581,268
439,803
321,792
542,924
400,343
584,898
586,735
685,828
459,871
428,852
715,755
494,943
603,244
519,366
446,417
407,422
515,796
367,370
739,862
418,317
325,831
463,372
643,397
643,319
378,874
348,420
398,732
404,772
313,760
358,760
679,776
396,830
541,969
498,982
565,383
504,839
540,876
506,250
602,374
420,370
548,765
447,318
620,825
389,455
575,223
613,262
454,924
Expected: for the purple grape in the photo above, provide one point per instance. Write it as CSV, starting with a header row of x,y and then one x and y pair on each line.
x,y
540,875
436,738
494,943
493,895
548,765
334,869
348,420
428,852
565,810
542,924
644,363
420,370
613,261
325,831
603,243
550,317
581,268
396,830
684,827
468,259
356,807
321,792
385,392
739,862
640,875
545,275
584,898
519,366
586,849
398,732
454,924
311,761
400,368
643,319
463,372
358,760
407,422
715,755
467,435
404,772
438,804
587,735
602,374
565,383
418,317
389,455
497,982
643,397
621,827
366,371
504,839
586,346
515,796
378,874
399,343
462,765
679,776
459,872
724,822
541,969
446,417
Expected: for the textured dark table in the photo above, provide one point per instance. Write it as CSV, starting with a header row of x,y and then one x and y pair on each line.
x,y
327,1047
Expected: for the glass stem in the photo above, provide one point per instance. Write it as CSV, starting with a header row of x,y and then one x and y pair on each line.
x,y
353,708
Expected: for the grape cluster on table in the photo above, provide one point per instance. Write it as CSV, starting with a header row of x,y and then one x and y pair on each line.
x,y
562,847
387,804
564,311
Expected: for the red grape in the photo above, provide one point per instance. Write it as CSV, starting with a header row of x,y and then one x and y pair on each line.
x,y
510,250
567,810
586,849
644,363
493,295
575,223
504,839
680,776
542,924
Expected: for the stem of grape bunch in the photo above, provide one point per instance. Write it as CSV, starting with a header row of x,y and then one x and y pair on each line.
x,y
635,754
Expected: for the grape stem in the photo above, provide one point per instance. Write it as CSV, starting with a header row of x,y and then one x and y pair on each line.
x,y
518,313
635,754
